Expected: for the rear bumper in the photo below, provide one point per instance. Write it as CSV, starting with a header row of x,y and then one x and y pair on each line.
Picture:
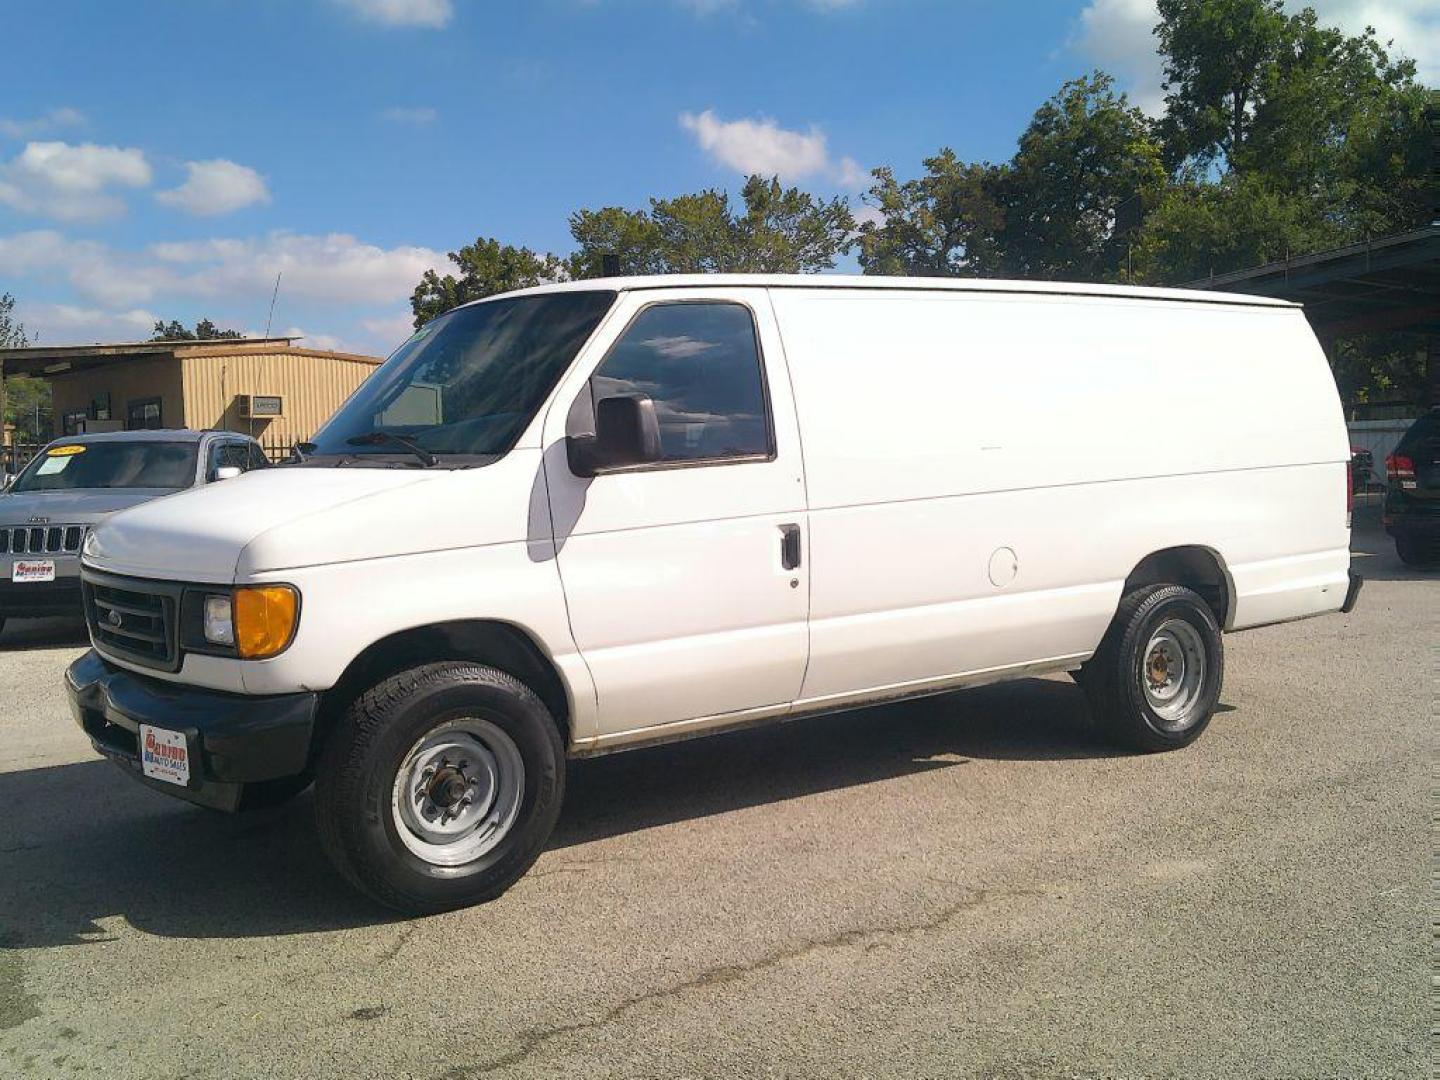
x,y
233,739
58,597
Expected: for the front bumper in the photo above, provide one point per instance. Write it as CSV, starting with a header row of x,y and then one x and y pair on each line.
x,y
36,598
233,739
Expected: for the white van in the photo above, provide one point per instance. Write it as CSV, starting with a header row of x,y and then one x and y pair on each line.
x,y
597,515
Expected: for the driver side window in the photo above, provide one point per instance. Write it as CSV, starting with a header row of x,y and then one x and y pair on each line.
x,y
699,362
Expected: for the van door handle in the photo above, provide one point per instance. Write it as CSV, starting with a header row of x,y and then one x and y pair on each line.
x,y
789,547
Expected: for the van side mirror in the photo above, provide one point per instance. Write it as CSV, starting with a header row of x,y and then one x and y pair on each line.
x,y
226,472
627,432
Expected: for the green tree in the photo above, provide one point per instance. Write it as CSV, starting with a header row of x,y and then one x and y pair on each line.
x,y
24,399
12,330
777,230
485,268
631,237
944,223
1219,56
1387,174
1199,229
205,330
1085,152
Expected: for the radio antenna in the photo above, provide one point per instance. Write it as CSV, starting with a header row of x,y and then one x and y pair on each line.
x,y
269,318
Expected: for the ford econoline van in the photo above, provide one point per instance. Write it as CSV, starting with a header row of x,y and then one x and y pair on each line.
x,y
602,514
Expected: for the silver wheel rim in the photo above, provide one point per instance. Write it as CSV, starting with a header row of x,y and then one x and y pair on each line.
x,y
1172,673
457,792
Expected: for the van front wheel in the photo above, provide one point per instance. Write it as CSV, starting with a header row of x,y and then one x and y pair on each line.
x,y
1155,680
440,786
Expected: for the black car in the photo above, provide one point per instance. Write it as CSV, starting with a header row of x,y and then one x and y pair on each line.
x,y
1412,497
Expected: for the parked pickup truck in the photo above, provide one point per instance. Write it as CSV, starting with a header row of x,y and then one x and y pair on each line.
x,y
74,482
608,513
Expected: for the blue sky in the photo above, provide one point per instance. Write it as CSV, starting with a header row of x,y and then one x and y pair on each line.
x,y
168,159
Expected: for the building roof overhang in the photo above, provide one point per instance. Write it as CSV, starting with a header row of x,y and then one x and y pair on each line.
x,y
1392,283
49,361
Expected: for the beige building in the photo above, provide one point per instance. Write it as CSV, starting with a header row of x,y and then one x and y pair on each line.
x,y
271,388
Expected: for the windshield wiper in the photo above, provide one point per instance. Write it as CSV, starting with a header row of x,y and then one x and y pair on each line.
x,y
382,438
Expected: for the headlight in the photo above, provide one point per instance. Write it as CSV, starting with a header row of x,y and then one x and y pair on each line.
x,y
264,619
219,621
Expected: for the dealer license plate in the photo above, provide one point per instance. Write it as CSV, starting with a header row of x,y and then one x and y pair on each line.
x,y
23,570
164,755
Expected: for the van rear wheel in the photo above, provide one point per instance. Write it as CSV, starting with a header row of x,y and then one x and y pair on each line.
x,y
440,786
1155,680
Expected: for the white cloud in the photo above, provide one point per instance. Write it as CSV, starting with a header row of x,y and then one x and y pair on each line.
x,y
869,215
763,146
415,116
51,119
433,14
388,331
216,187
334,269
69,324
1117,35
1413,26
316,341
71,183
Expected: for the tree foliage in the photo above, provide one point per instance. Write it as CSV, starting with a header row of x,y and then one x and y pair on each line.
x,y
205,330
776,230
1086,151
12,330
24,399
485,267
1279,136
946,222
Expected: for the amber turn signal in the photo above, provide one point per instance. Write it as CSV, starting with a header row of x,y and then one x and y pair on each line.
x,y
264,619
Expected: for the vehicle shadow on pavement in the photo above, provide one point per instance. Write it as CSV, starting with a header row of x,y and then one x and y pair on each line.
x,y
21,635
1026,720
83,845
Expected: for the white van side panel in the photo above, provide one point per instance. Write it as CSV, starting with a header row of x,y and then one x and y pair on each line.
x,y
677,597
943,432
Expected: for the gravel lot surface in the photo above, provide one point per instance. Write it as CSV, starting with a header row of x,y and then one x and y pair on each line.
x,y
963,886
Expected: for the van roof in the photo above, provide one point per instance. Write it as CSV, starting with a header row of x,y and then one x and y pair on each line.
x,y
856,281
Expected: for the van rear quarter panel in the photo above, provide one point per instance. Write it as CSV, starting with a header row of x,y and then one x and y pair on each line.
x,y
1081,433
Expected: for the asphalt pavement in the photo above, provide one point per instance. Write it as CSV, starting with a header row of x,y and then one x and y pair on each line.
x,y
963,886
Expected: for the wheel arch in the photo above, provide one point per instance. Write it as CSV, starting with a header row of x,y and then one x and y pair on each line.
x,y
1194,566
501,645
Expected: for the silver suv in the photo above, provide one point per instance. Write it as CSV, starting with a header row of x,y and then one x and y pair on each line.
x,y
47,510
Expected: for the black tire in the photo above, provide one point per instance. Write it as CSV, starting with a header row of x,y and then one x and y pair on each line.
x,y
1412,552
1115,678
357,773
264,794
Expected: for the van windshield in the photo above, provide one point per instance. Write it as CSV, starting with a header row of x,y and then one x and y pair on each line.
x,y
468,382
121,464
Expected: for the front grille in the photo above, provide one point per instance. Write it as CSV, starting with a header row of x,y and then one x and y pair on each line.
x,y
41,539
133,619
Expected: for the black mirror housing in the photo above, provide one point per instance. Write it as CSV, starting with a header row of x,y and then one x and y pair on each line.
x,y
627,433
